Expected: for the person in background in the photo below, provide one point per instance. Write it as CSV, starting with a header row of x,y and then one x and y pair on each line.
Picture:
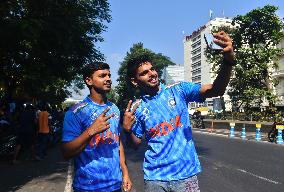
x,y
26,133
44,129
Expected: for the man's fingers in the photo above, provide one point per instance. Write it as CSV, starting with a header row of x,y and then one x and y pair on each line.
x,y
105,111
109,116
128,106
134,108
106,127
221,36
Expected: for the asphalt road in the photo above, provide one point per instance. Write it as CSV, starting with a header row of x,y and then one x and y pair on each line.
x,y
229,165
233,165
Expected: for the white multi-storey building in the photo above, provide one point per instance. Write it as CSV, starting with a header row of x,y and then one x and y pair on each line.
x,y
173,73
197,69
279,74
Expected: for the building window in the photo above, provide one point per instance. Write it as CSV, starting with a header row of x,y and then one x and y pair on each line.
x,y
196,57
198,50
195,44
196,64
196,78
196,71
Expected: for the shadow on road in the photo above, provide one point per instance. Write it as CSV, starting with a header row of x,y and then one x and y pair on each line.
x,y
53,169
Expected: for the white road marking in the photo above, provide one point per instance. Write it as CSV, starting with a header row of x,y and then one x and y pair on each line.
x,y
68,186
222,165
260,177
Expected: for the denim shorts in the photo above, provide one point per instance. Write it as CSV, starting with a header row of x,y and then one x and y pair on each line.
x,y
185,185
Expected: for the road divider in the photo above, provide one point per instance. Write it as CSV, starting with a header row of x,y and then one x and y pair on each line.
x,y
243,133
258,132
279,135
232,130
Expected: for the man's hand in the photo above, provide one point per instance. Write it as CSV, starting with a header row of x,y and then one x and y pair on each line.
x,y
101,123
129,117
222,39
126,183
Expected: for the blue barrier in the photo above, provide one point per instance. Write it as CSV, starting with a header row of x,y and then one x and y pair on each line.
x,y
232,130
243,134
279,139
258,132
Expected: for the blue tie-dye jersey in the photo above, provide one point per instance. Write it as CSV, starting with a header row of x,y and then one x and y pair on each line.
x,y
97,168
164,119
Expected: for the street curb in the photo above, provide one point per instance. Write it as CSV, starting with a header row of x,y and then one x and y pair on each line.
x,y
224,134
69,181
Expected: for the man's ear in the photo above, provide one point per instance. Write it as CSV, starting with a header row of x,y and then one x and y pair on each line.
x,y
88,81
134,82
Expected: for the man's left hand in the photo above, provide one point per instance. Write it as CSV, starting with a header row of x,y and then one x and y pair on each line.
x,y
126,183
223,39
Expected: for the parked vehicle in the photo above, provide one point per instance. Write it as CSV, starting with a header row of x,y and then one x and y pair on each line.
x,y
273,133
7,140
56,132
197,120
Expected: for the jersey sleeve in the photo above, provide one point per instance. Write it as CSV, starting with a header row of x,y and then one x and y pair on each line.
x,y
191,92
71,127
137,129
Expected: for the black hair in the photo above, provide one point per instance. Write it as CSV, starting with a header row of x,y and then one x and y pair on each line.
x,y
44,106
90,68
136,61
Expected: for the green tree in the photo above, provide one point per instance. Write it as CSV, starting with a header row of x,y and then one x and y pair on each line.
x,y
124,90
112,95
255,36
45,43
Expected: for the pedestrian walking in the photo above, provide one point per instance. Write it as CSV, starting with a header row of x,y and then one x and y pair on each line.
x,y
171,162
44,129
26,133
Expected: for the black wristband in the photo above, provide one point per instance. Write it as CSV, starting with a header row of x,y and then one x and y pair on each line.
x,y
230,63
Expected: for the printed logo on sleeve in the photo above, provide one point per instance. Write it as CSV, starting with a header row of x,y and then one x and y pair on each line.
x,y
171,102
146,113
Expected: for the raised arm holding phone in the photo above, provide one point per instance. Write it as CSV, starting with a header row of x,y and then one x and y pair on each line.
x,y
161,116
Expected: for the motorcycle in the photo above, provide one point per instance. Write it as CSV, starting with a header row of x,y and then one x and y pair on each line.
x,y
8,140
197,120
273,133
56,133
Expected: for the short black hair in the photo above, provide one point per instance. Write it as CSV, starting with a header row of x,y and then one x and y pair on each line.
x,y
136,61
90,68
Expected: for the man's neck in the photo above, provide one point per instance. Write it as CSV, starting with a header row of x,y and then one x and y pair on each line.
x,y
99,98
152,91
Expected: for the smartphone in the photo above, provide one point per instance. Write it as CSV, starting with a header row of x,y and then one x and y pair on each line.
x,y
210,43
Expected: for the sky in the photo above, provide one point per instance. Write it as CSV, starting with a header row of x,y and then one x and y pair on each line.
x,y
162,24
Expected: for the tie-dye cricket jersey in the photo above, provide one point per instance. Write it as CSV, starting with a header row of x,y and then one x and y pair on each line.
x,y
97,168
164,119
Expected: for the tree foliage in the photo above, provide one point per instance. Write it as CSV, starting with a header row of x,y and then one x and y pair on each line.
x,y
255,36
45,43
112,96
124,90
